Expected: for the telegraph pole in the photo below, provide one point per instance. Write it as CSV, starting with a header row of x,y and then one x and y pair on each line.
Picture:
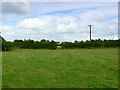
x,y
90,31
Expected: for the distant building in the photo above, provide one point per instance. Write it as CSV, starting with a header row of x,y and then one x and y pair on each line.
x,y
58,45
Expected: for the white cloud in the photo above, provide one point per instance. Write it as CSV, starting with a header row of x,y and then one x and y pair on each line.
x,y
19,7
46,8
74,0
60,28
68,27
67,0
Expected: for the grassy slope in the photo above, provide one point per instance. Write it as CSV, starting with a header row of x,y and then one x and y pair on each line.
x,y
61,68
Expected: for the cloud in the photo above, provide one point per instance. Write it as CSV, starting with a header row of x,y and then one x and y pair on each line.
x,y
61,29
63,7
67,0
21,7
69,27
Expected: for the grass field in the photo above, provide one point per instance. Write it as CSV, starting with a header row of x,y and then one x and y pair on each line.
x,y
83,68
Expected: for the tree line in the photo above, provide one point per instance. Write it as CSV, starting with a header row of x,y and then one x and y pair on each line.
x,y
46,44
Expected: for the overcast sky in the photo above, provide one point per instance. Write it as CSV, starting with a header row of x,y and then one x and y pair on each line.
x,y
59,21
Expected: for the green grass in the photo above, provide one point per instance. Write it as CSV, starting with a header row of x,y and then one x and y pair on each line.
x,y
0,70
83,68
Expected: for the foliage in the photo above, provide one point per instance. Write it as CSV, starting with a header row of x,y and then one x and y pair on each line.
x,y
6,46
91,44
46,44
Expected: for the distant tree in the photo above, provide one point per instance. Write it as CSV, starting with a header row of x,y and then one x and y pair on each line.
x,y
6,46
52,45
46,44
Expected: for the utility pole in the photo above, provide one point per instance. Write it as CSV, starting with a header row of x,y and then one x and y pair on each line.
x,y
90,31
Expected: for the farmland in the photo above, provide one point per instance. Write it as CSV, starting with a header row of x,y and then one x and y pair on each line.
x,y
72,68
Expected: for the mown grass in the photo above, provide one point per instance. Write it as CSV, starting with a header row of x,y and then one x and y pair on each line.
x,y
0,70
83,68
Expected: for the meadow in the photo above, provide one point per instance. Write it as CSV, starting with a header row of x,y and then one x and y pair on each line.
x,y
73,68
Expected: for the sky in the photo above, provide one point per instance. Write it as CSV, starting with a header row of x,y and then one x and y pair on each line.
x,y
59,21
